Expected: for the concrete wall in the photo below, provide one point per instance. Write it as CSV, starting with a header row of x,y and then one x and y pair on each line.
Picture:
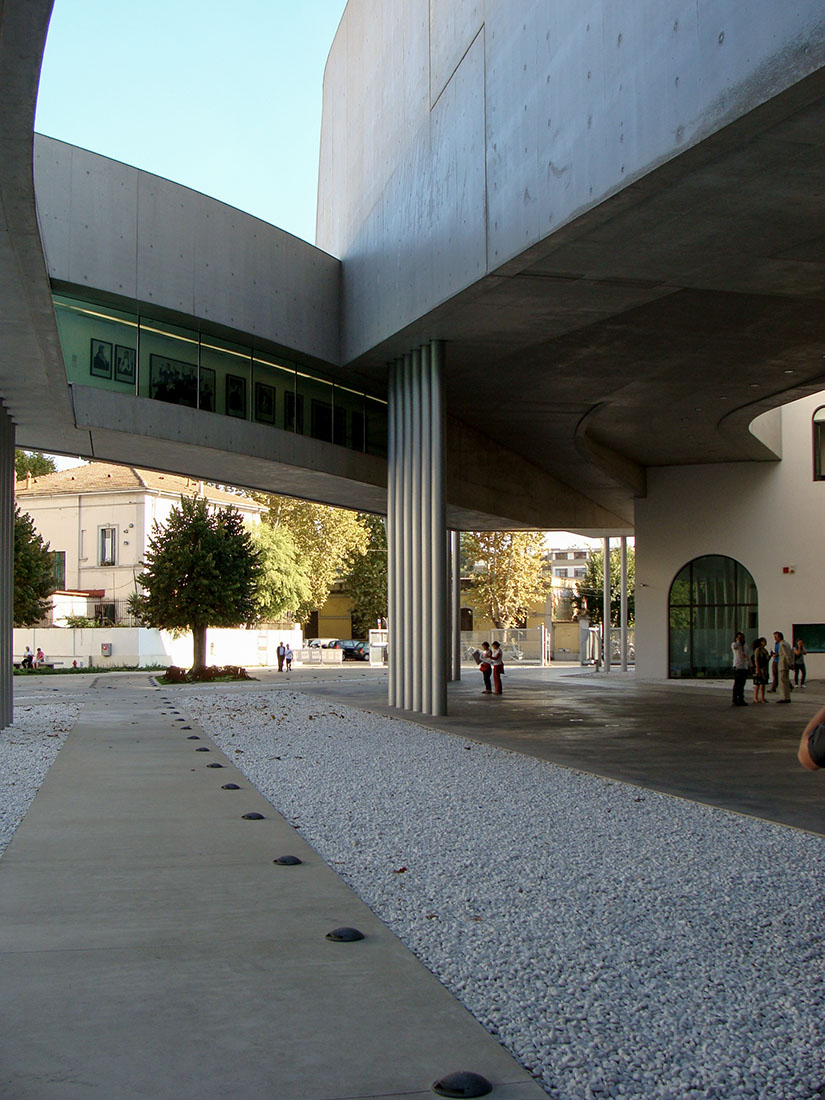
x,y
459,133
114,228
769,516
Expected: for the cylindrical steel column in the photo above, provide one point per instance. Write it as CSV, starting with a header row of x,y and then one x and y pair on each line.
x,y
408,654
438,526
455,591
392,534
623,596
606,606
416,542
426,649
6,568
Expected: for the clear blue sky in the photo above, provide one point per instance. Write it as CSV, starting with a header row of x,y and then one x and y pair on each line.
x,y
224,97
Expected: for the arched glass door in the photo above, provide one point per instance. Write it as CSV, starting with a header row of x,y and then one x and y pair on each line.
x,y
711,598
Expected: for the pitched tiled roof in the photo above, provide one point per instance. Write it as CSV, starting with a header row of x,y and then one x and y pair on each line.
x,y
101,477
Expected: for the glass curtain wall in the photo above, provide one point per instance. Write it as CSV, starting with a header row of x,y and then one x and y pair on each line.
x,y
121,351
711,599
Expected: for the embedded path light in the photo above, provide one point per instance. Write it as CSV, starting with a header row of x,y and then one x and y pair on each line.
x,y
344,934
462,1083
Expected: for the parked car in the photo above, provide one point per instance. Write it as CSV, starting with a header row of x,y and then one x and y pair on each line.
x,y
321,643
350,648
362,651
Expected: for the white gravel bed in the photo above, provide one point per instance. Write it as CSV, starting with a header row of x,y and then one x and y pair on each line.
x,y
27,750
619,942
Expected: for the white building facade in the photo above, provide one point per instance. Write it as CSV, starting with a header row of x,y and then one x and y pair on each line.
x,y
752,534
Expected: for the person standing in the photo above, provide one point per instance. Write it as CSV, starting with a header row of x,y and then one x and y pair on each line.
x,y
497,661
799,652
741,667
288,656
280,652
784,655
774,666
485,665
761,666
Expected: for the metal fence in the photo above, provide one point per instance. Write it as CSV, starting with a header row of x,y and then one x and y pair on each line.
x,y
518,646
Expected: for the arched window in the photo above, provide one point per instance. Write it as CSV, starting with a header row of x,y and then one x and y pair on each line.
x,y
819,444
711,598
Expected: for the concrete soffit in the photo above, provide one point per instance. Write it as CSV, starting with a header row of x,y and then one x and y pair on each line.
x,y
617,466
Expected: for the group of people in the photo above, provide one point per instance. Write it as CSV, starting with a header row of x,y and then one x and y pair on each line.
x,y
285,657
491,665
32,660
766,666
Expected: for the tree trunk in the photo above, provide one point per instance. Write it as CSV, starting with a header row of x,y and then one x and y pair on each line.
x,y
199,647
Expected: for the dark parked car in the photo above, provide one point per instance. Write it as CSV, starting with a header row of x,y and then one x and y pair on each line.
x,y
349,647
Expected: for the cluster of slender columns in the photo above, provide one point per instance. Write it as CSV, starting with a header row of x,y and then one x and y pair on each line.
x,y
607,597
6,566
419,647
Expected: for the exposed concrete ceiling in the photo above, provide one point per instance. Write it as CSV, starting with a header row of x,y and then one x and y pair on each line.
x,y
652,330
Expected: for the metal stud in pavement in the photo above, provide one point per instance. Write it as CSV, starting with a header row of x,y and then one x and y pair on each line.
x,y
230,787
288,861
345,934
193,737
202,748
253,817
215,765
462,1083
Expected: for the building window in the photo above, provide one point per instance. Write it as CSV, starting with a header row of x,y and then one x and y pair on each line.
x,y
108,537
711,598
59,565
819,445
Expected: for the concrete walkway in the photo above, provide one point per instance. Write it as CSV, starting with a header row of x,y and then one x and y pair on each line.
x,y
151,947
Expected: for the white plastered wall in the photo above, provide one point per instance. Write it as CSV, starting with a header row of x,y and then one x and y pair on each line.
x,y
769,516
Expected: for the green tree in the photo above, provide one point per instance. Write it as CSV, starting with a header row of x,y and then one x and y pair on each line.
x,y
33,462
202,569
326,540
34,576
284,585
508,577
368,579
589,598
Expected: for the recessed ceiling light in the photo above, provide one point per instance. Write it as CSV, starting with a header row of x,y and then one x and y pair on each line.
x,y
793,371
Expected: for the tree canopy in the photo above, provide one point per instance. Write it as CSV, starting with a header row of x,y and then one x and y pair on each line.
x,y
34,575
284,585
589,598
202,569
33,462
508,577
326,541
368,579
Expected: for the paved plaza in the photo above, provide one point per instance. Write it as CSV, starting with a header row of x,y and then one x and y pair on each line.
x,y
152,948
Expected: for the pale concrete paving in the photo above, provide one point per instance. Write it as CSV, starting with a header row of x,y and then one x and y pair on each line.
x,y
151,948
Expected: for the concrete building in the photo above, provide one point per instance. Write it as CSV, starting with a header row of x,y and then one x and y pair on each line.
x,y
569,263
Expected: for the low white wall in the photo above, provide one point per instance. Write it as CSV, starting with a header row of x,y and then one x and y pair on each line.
x,y
139,647
769,516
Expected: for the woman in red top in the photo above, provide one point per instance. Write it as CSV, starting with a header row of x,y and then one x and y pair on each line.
x,y
497,661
